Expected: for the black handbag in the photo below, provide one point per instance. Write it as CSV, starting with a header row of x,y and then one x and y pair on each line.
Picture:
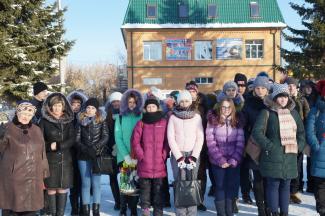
x,y
187,191
105,163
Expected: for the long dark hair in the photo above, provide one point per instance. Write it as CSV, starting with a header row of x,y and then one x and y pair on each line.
x,y
234,117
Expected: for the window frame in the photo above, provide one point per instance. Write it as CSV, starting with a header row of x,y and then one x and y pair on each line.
x,y
150,59
257,46
156,10
216,12
209,80
179,11
254,4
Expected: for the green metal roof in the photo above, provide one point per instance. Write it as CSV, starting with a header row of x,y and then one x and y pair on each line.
x,y
228,11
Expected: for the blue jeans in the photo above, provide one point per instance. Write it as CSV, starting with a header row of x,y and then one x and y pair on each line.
x,y
226,181
278,194
89,180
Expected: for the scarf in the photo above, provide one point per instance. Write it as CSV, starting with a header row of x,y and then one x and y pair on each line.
x,y
151,118
24,127
184,113
288,131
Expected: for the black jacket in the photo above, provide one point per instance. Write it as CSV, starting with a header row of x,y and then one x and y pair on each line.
x,y
92,137
62,132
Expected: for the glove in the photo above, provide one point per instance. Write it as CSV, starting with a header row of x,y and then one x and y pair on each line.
x,y
181,163
190,162
128,159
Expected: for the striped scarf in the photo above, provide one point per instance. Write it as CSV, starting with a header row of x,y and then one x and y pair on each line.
x,y
288,131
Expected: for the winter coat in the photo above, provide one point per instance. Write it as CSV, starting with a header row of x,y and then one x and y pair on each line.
x,y
316,138
274,162
225,143
302,106
185,135
252,107
62,132
91,137
38,115
23,167
150,146
125,123
110,120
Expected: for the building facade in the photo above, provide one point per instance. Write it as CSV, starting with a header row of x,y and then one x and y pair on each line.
x,y
170,42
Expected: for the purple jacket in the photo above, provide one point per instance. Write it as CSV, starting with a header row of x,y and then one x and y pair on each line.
x,y
150,147
225,144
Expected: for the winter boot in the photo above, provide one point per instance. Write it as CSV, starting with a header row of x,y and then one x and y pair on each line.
x,y
220,207
294,198
234,206
86,210
61,200
96,209
247,199
261,209
201,207
123,205
115,191
52,204
229,207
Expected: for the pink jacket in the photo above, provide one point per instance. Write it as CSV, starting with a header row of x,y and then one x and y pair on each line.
x,y
149,144
185,135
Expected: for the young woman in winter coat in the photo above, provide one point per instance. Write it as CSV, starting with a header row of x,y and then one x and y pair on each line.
x,y
59,135
316,139
23,165
150,146
279,131
225,140
92,136
253,105
185,138
130,113
230,90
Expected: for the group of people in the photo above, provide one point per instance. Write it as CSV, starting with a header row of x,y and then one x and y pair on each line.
x,y
52,145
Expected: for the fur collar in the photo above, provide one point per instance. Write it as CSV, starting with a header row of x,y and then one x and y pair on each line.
x,y
75,93
275,107
68,115
124,109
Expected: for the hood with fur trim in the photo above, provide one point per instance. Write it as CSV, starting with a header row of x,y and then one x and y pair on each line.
x,y
79,94
272,105
68,115
124,108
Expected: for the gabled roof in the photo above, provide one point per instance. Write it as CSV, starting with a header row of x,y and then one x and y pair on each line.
x,y
231,14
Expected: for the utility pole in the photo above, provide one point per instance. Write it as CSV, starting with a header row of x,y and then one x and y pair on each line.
x,y
61,68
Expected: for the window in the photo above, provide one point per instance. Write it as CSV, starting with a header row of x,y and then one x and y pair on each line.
x,y
203,50
183,11
255,9
151,11
204,80
212,10
254,49
152,51
152,81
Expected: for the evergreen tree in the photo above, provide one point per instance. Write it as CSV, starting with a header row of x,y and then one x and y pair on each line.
x,y
31,42
309,61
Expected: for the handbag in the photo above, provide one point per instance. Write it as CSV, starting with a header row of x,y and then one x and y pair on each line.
x,y
105,162
187,192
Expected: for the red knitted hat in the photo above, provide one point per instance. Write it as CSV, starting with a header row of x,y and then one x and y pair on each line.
x,y
321,87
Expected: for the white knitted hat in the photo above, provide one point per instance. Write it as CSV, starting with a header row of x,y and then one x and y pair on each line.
x,y
115,96
184,95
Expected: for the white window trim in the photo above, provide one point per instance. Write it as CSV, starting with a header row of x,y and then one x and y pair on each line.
x,y
150,59
257,49
207,83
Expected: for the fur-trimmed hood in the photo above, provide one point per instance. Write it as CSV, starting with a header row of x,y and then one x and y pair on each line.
x,y
272,105
79,94
124,109
68,115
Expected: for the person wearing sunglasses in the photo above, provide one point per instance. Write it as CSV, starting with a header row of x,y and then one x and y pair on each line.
x,y
23,165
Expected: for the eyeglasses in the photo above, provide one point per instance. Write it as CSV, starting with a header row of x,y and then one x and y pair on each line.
x,y
226,107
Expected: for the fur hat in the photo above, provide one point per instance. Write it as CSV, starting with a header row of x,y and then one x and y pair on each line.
x,y
321,87
92,102
151,101
39,87
115,96
184,95
262,81
228,85
279,89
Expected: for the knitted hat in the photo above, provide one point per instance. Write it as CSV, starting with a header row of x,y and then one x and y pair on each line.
x,y
92,102
151,101
240,79
279,89
228,85
184,95
192,86
262,81
26,107
291,80
321,87
174,94
263,73
39,87
115,96
250,82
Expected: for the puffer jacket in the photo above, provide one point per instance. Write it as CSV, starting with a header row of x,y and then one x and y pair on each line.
x,y
316,138
92,135
225,143
150,146
62,132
